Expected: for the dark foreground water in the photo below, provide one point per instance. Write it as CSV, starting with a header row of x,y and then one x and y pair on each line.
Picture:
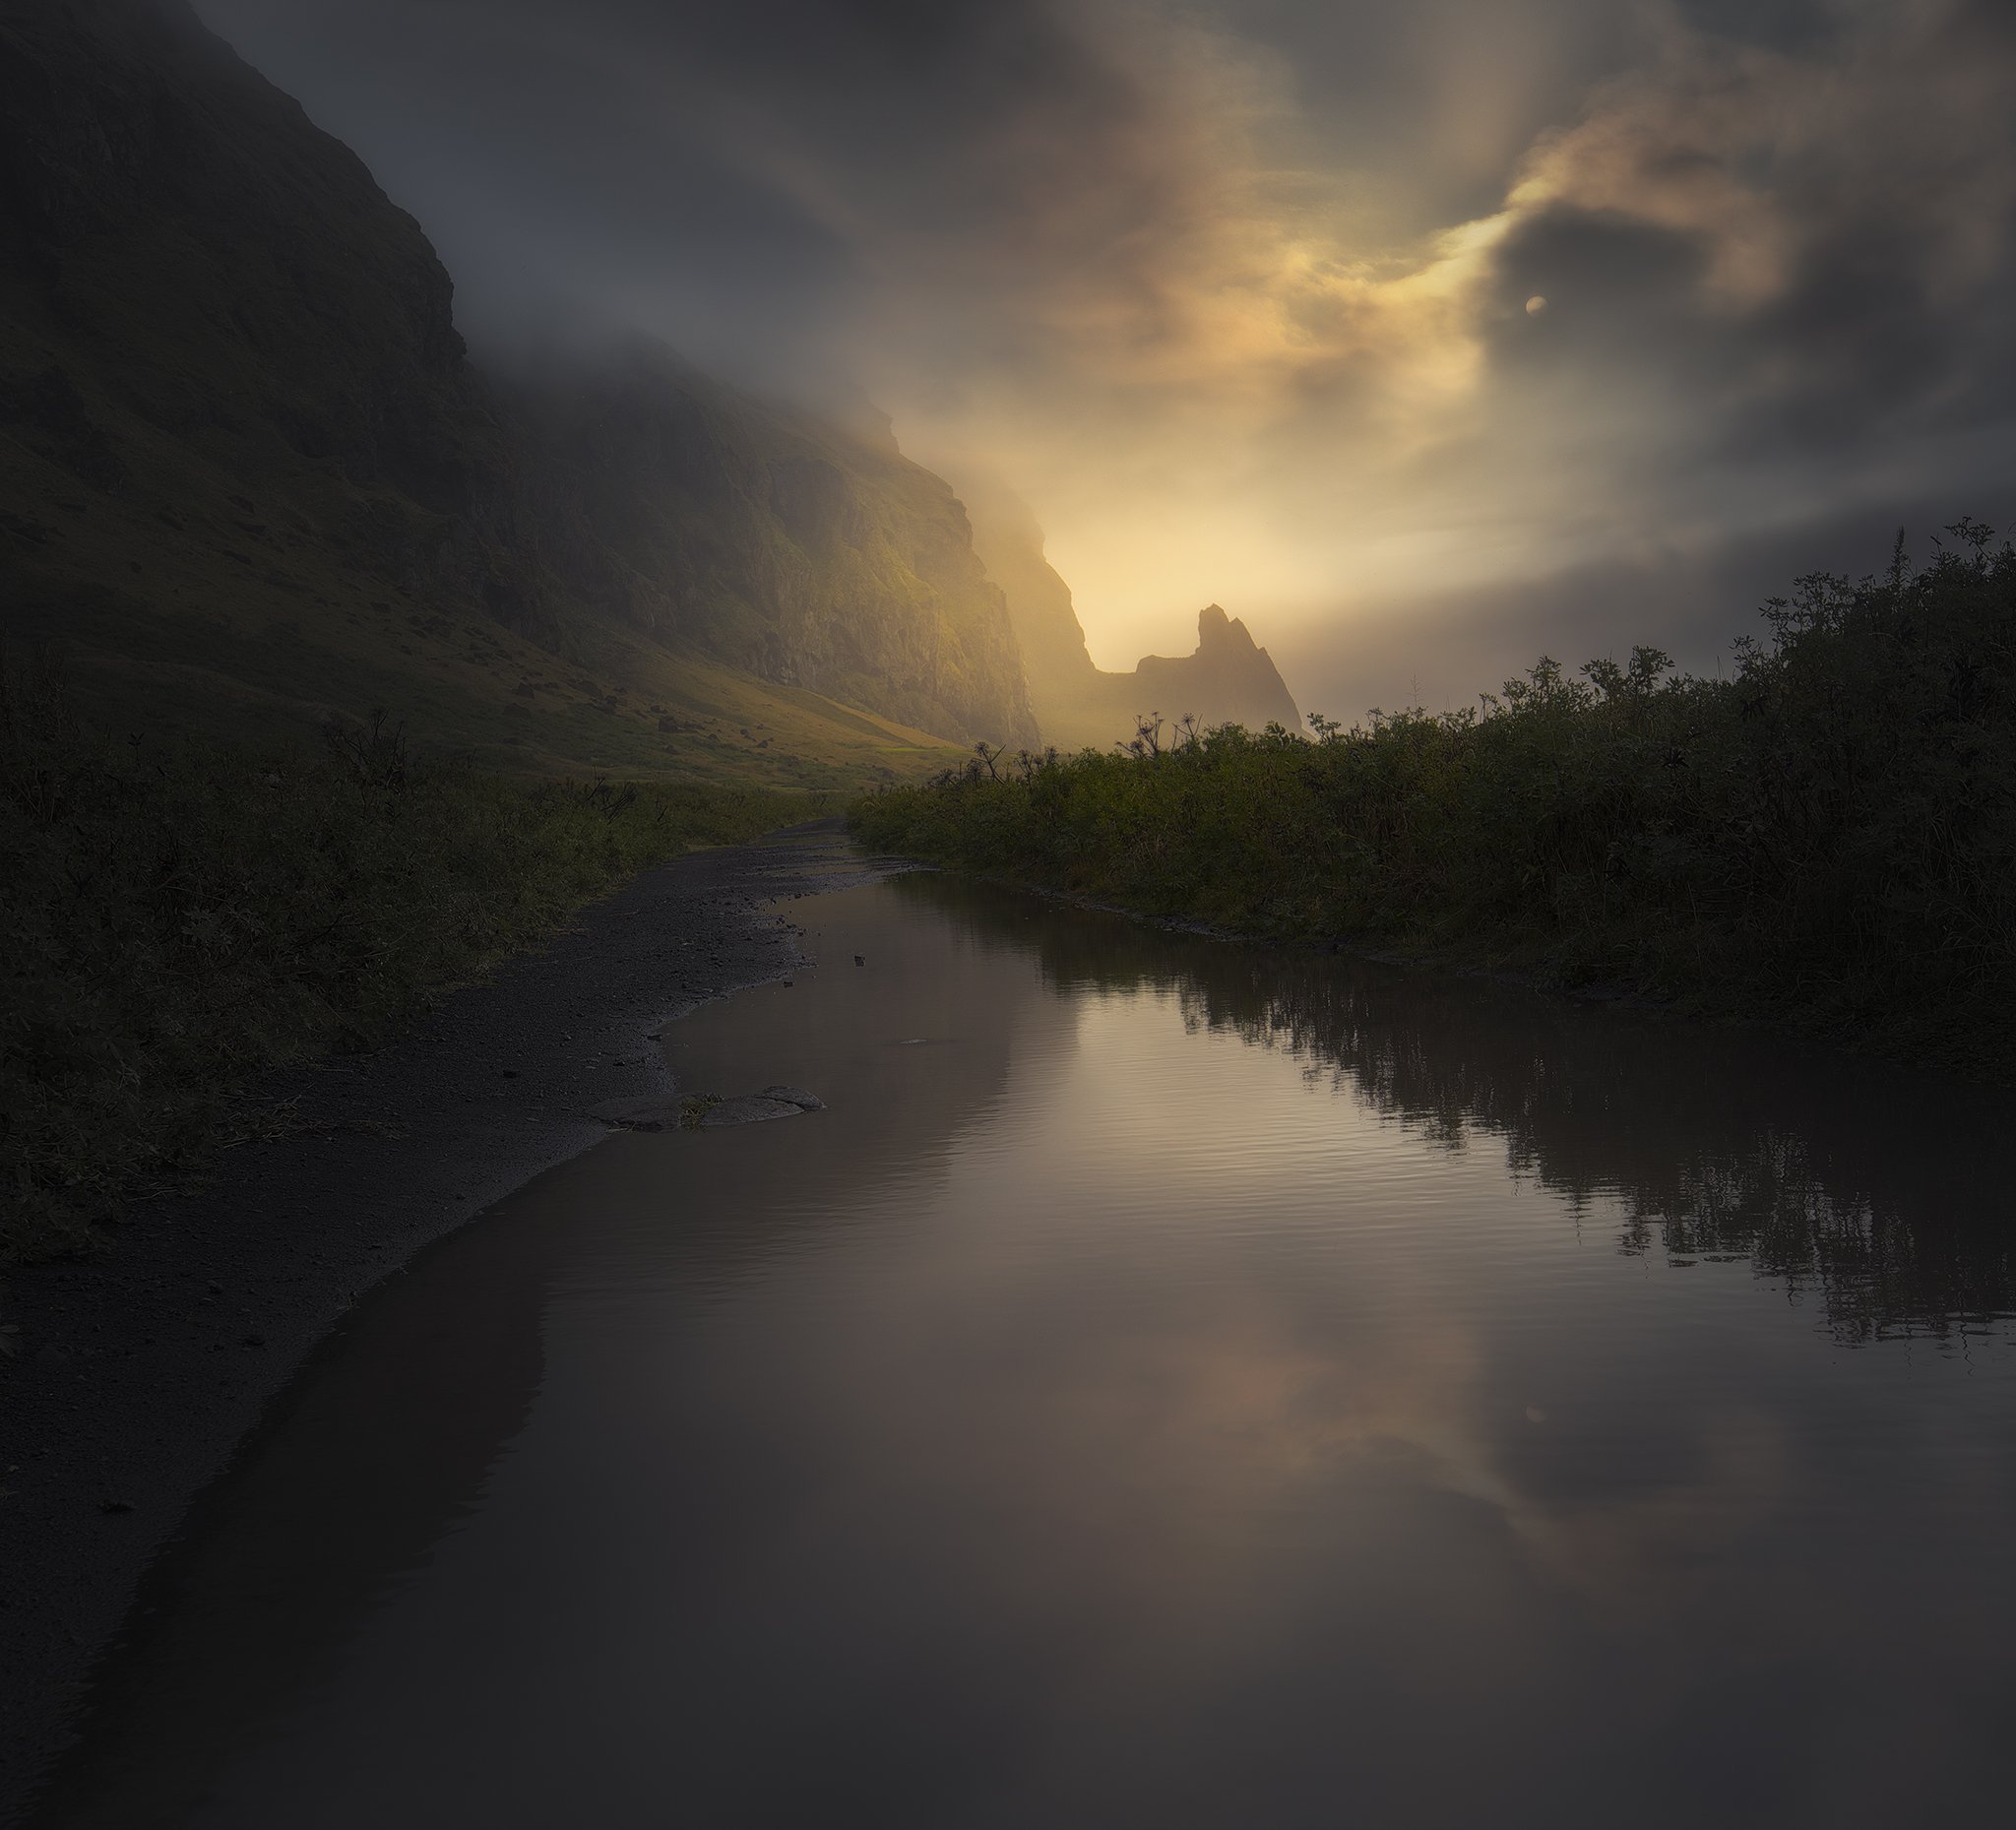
x,y
1172,1385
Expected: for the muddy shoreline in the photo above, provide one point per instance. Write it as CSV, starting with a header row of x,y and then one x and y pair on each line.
x,y
135,1374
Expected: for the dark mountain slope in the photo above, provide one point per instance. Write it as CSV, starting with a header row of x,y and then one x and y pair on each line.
x,y
782,545
235,276
248,475
232,402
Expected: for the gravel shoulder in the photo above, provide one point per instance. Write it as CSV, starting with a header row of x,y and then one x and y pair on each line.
x,y
130,1377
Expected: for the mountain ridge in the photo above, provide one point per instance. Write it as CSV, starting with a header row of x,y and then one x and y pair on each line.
x,y
786,547
1227,679
250,476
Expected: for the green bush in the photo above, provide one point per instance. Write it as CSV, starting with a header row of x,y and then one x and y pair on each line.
x,y
1828,837
175,919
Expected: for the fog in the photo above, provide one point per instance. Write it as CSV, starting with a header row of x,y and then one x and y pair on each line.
x,y
1423,336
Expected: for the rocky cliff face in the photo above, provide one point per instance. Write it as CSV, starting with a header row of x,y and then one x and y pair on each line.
x,y
1228,679
1054,657
203,297
221,270
244,455
785,546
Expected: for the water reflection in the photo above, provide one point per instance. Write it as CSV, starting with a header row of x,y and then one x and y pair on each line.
x,y
1885,1194
1170,1385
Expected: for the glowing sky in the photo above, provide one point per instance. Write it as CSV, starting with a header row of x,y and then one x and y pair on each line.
x,y
1236,293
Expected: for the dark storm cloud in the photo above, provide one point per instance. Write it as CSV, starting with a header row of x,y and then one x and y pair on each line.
x,y
1782,272
1236,292
1859,207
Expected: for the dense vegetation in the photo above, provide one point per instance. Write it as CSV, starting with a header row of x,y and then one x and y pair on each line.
x,y
178,916
1827,837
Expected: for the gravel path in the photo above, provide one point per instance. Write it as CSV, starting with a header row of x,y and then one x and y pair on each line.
x,y
133,1376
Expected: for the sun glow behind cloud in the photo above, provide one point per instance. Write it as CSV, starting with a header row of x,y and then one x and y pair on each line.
x,y
1236,293
1294,415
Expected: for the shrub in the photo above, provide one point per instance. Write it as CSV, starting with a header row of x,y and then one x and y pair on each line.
x,y
1828,837
176,919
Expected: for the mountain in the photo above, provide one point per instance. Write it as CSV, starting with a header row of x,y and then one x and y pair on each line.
x,y
1228,679
785,546
249,474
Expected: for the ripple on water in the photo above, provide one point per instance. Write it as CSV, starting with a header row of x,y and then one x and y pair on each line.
x,y
1168,1383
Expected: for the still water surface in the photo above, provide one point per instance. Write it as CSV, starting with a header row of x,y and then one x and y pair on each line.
x,y
1171,1384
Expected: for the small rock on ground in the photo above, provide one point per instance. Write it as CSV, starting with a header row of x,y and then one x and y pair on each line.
x,y
641,1114
748,1111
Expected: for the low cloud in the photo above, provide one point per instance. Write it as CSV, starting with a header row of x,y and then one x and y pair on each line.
x,y
1236,295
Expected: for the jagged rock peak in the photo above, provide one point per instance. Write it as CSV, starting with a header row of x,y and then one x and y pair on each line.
x,y
1228,679
1216,629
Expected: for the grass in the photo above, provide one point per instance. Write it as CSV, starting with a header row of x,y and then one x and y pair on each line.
x,y
1826,838
179,915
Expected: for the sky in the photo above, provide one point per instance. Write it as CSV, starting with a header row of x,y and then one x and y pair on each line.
x,y
1424,336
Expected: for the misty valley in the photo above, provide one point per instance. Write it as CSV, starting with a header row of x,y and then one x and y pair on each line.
x,y
1020,913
